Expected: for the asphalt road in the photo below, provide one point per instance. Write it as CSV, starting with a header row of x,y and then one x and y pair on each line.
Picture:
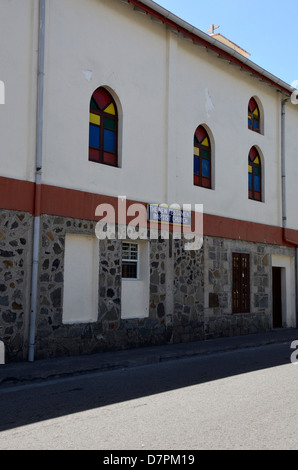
x,y
244,399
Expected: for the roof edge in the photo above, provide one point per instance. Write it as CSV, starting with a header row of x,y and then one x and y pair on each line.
x,y
196,35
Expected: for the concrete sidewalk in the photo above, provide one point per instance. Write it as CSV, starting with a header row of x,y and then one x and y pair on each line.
x,y
57,367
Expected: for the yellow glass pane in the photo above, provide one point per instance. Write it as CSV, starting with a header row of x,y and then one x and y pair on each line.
x,y
196,151
205,142
256,112
110,109
94,119
257,161
249,169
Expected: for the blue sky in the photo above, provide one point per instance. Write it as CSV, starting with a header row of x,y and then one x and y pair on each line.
x,y
266,29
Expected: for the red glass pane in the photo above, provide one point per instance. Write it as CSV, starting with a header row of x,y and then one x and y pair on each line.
x,y
109,158
206,183
252,105
94,155
196,180
253,154
200,134
101,97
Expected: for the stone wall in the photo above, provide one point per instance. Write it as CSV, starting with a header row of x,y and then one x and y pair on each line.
x,y
219,319
15,277
188,279
53,337
190,291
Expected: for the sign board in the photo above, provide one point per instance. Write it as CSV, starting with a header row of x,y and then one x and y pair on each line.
x,y
168,215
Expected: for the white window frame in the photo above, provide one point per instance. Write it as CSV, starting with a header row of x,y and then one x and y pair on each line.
x,y
132,260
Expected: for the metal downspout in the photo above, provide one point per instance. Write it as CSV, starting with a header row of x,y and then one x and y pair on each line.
x,y
296,272
283,173
284,200
283,166
38,173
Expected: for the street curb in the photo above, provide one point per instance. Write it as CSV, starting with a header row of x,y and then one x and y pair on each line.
x,y
46,369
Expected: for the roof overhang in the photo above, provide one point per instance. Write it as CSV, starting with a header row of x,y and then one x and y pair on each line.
x,y
184,29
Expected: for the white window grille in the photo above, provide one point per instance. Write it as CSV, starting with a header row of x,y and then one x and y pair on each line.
x,y
130,260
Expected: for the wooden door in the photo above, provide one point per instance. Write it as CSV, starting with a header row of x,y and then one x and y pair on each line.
x,y
277,299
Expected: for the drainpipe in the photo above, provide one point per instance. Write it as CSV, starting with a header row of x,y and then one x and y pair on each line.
x,y
38,173
283,166
284,200
296,271
283,172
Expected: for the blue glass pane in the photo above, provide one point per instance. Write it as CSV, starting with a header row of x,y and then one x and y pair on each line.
x,y
109,141
206,168
256,124
250,181
196,165
257,181
94,136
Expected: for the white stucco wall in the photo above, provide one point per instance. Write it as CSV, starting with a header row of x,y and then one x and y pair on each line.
x,y
106,39
165,86
216,94
291,152
18,52
2,92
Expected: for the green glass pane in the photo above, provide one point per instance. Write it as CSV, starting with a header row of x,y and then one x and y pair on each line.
x,y
93,104
205,154
109,124
256,171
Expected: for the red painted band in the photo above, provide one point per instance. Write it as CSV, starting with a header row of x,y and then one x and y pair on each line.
x,y
63,202
17,195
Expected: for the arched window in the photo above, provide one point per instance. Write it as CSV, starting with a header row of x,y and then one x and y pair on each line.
x,y
103,128
254,175
253,116
202,158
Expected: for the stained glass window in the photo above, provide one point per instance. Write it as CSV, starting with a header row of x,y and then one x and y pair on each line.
x,y
254,175
202,158
103,128
253,116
